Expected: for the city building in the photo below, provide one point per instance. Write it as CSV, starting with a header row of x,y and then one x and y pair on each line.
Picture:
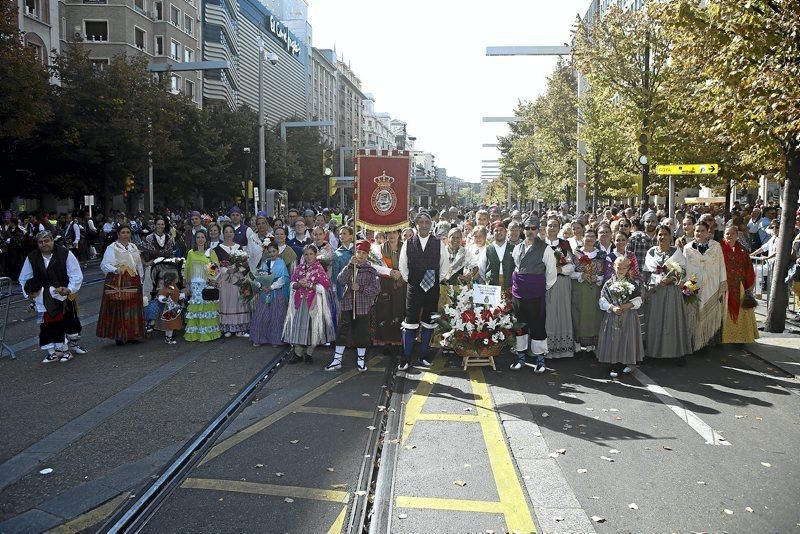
x,y
324,93
401,138
165,31
349,105
376,127
39,23
232,32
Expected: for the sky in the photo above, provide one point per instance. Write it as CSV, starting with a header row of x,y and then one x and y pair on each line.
x,y
425,62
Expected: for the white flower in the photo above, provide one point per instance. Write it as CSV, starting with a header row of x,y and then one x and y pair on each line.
x,y
485,341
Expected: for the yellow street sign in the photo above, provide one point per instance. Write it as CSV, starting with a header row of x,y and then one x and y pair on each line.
x,y
692,168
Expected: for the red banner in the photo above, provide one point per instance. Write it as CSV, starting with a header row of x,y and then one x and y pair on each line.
x,y
382,189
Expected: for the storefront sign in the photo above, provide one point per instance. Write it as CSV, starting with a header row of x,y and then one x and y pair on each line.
x,y
279,30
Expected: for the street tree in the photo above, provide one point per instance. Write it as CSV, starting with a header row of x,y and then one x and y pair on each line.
x,y
748,55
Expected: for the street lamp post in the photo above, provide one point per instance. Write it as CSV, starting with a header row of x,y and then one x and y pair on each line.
x,y
272,57
246,188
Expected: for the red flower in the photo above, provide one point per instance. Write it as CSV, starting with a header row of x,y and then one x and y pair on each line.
x,y
586,260
469,316
486,314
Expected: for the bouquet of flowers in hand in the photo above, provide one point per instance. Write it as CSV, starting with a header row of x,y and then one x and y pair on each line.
x,y
475,327
212,271
239,261
560,258
690,289
247,289
621,290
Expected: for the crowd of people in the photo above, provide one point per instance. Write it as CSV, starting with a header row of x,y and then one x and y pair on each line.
x,y
621,284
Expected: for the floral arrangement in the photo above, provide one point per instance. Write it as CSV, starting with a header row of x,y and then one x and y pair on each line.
x,y
474,326
560,258
247,290
621,289
212,271
690,289
239,260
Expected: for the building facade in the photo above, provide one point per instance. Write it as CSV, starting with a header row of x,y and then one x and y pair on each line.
x,y
232,32
324,93
376,127
349,105
39,23
164,31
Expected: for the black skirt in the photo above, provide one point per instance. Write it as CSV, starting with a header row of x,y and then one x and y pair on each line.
x,y
353,333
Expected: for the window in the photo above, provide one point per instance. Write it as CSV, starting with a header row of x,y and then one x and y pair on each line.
x,y
140,38
175,50
159,45
138,5
175,16
99,63
33,9
188,55
38,51
189,89
96,30
188,24
175,84
158,11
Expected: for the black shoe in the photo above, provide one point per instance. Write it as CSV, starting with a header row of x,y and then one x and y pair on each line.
x,y
119,342
296,358
681,362
308,359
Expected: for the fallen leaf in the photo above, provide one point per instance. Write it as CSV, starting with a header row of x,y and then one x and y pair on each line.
x,y
606,458
729,512
381,408
618,419
46,471
467,465
295,441
766,464
667,448
360,493
545,414
330,469
582,471
402,516
589,409
558,519
561,451
409,447
739,416
259,466
339,486
365,394
278,474
613,410
701,482
759,418
288,499
613,451
748,509
467,409
553,455
221,499
595,497
633,506
459,483
370,427
598,519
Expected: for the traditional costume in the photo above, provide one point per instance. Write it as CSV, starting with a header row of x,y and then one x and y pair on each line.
x,y
234,315
169,319
739,323
202,313
705,262
586,315
391,301
668,334
308,320
121,314
620,338
560,334
270,303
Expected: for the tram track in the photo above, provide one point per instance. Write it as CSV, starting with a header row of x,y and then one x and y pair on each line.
x,y
135,514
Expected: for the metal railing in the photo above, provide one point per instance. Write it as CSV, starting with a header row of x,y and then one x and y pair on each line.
x,y
5,301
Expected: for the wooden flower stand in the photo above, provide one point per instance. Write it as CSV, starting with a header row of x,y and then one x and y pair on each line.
x,y
471,357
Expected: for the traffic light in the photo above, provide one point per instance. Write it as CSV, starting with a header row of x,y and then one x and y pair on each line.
x,y
643,148
129,183
327,162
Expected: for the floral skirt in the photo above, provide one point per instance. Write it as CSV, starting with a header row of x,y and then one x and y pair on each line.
x,y
202,316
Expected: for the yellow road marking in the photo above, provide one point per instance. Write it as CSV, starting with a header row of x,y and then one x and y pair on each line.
x,y
417,400
90,518
449,417
260,425
274,490
456,505
335,411
509,489
337,526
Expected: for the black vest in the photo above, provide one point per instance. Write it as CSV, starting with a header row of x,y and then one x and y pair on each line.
x,y
493,262
531,262
420,261
55,275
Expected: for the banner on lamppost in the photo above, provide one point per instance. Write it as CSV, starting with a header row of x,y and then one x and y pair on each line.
x,y
382,189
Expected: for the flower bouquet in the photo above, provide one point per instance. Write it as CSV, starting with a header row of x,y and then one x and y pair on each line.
x,y
475,329
560,258
239,261
212,271
690,290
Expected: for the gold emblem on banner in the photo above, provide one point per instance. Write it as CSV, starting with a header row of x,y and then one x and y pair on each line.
x,y
384,199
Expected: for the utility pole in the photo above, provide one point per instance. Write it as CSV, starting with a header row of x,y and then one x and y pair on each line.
x,y
645,123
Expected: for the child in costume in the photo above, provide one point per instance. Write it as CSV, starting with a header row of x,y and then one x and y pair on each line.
x,y
169,318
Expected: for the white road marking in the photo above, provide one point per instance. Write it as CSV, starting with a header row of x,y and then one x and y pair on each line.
x,y
688,416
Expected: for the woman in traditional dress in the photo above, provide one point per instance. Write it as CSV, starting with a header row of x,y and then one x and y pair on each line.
x,y
472,255
269,304
121,315
341,257
308,320
706,264
667,331
234,315
286,252
586,283
201,272
578,230
257,242
739,323
515,236
325,255
158,246
214,233
566,232
390,304
620,244
620,340
558,300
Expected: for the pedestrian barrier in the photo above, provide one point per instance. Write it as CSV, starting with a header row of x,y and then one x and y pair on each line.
x,y
5,299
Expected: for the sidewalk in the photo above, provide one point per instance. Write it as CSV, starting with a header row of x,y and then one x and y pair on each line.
x,y
781,350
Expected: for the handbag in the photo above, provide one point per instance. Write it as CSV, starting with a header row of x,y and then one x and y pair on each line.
x,y
211,293
749,301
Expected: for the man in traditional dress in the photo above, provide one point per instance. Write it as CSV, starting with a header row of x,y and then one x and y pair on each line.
x,y
423,259
535,273
241,232
642,241
51,278
496,262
